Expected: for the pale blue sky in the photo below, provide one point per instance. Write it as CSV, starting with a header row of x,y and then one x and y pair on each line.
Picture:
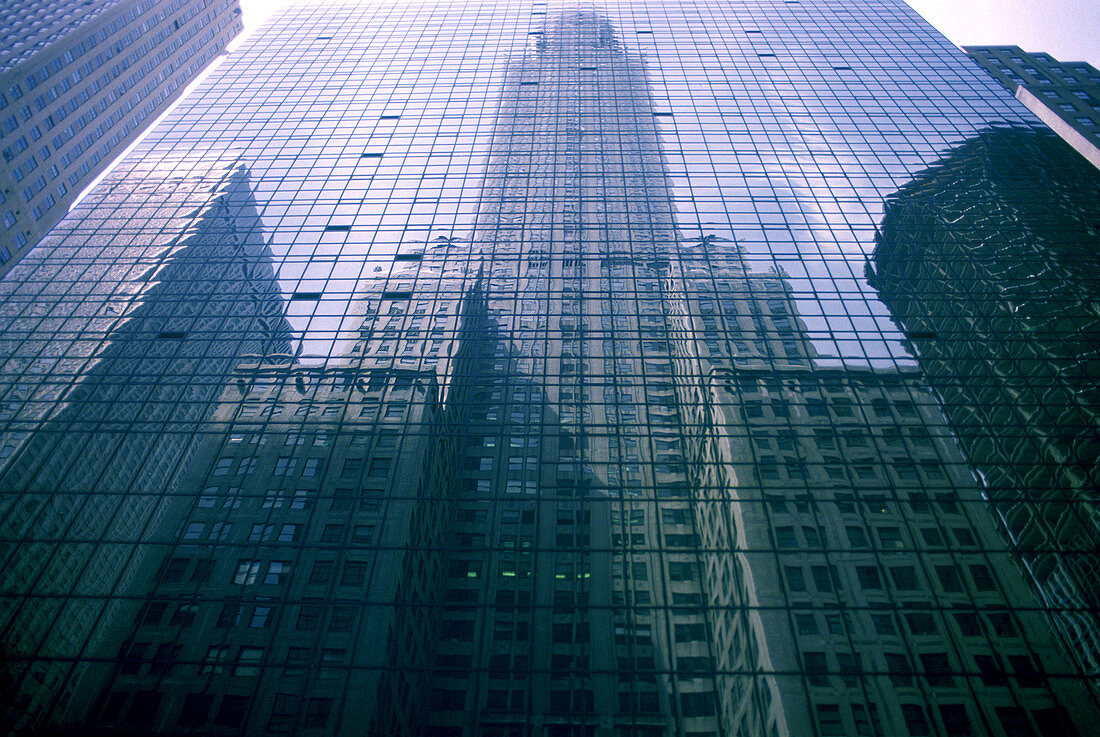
x,y
1068,30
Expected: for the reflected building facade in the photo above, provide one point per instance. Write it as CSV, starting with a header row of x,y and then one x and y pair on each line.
x,y
988,262
543,400
119,423
271,592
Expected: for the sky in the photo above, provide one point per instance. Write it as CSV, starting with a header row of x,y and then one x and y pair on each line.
x,y
1068,30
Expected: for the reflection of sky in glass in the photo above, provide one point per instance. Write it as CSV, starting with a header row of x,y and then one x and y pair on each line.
x,y
799,188
407,169
361,142
808,202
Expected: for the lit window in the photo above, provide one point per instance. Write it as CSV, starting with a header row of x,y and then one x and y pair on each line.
x,y
247,571
277,572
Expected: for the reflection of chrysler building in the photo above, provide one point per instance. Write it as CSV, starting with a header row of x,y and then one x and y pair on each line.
x,y
593,586
559,595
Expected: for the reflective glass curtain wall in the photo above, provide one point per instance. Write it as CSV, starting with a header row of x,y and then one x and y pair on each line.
x,y
519,368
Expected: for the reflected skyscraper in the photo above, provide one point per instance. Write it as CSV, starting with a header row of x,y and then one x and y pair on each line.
x,y
550,397
988,261
83,489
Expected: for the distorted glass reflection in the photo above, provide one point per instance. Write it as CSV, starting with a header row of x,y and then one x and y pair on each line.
x,y
988,262
559,398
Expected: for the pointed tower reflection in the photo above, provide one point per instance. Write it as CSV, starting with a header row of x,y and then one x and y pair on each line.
x,y
104,465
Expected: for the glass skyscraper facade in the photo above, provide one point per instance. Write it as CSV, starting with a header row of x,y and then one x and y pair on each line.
x,y
522,369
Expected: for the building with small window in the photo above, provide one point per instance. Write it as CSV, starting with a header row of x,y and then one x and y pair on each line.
x,y
296,551
79,81
1064,94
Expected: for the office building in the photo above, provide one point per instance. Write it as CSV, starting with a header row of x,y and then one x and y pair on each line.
x,y
79,81
519,369
1064,95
